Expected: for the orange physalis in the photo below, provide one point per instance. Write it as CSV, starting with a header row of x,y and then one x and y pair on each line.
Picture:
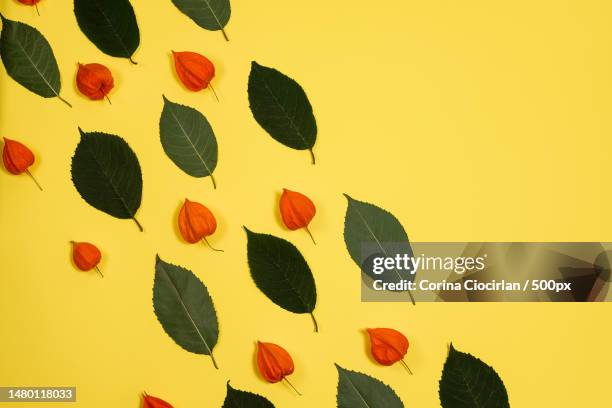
x,y
297,210
196,222
86,256
274,363
194,70
95,81
149,401
17,158
388,346
31,3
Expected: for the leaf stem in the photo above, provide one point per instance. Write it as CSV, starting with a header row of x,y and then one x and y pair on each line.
x,y
33,179
316,325
213,360
312,156
224,34
210,246
411,297
132,61
99,271
213,91
291,385
212,178
65,101
406,365
138,224
311,237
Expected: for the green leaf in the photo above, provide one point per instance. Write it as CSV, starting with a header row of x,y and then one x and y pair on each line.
x,y
211,15
29,60
106,173
188,140
184,309
369,232
281,107
243,399
357,390
467,382
281,273
110,24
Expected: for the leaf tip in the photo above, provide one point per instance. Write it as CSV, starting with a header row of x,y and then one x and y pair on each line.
x,y
348,197
340,369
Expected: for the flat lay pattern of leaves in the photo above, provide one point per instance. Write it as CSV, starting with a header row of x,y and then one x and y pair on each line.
x,y
107,175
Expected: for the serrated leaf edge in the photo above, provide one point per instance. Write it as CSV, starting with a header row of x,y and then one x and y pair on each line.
x,y
168,103
159,261
312,316
261,68
351,200
343,371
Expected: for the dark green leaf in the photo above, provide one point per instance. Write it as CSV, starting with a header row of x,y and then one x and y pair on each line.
x,y
281,273
188,140
357,390
109,24
29,60
243,399
281,107
106,172
184,309
209,14
370,231
467,382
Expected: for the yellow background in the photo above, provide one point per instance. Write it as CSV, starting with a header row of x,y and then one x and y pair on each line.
x,y
471,120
